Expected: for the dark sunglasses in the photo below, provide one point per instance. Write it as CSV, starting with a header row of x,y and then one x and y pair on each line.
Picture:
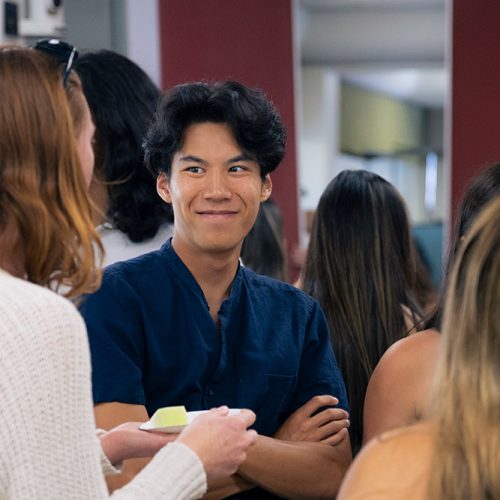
x,y
63,52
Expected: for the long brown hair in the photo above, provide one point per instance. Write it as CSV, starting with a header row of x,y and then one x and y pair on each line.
x,y
42,191
360,266
466,399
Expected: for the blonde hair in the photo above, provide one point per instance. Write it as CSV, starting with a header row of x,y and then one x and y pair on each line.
x,y
466,399
42,190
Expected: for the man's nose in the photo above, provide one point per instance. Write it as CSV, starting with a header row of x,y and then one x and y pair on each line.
x,y
217,187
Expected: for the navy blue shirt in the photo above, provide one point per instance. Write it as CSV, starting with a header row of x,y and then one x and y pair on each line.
x,y
154,343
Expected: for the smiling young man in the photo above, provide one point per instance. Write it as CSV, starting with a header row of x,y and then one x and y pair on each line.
x,y
189,325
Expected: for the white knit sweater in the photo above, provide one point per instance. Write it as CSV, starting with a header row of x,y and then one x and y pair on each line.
x,y
48,445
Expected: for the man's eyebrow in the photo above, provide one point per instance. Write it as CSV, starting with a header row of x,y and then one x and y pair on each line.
x,y
241,157
191,158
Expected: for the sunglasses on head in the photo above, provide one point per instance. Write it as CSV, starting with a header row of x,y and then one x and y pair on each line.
x,y
63,52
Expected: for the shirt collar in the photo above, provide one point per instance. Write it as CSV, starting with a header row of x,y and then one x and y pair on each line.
x,y
177,266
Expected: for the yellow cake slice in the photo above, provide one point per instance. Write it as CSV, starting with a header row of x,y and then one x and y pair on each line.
x,y
170,416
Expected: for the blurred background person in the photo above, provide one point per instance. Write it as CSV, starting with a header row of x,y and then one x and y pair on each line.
x,y
455,454
264,248
399,387
426,293
131,217
360,266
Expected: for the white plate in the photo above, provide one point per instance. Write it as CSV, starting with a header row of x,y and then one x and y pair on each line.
x,y
175,429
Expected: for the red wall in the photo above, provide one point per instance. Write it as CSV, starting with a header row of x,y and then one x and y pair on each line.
x,y
475,138
245,40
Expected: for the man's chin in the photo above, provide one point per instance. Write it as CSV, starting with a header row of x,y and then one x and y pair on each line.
x,y
217,246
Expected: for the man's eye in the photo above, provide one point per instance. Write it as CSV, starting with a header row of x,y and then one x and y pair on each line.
x,y
194,170
237,168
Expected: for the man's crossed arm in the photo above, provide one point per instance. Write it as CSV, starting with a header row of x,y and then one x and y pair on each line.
x,y
307,458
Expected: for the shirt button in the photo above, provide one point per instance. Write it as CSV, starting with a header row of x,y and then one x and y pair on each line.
x,y
210,393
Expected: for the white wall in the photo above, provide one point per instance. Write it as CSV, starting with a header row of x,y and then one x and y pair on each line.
x,y
143,40
319,132
88,23
129,27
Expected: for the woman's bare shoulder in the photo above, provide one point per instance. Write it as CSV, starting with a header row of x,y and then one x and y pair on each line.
x,y
417,349
392,465
421,433
397,391
399,360
419,343
398,448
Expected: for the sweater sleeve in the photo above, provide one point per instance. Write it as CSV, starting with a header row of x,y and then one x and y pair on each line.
x,y
107,467
48,445
176,473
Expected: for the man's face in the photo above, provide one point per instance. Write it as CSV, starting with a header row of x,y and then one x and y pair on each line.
x,y
215,190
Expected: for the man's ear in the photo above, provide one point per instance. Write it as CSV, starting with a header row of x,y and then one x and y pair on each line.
x,y
163,188
266,189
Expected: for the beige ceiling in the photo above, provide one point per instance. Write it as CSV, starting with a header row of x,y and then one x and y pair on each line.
x,y
393,46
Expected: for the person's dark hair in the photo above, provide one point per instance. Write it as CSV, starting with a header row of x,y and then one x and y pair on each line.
x,y
263,248
360,266
483,188
122,100
253,120
425,292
